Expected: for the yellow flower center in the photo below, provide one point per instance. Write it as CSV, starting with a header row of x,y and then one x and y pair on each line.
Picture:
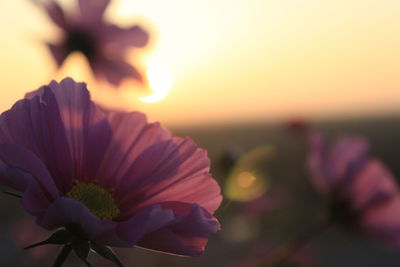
x,y
97,199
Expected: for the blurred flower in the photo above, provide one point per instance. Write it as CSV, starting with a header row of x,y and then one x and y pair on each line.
x,y
362,193
104,45
106,176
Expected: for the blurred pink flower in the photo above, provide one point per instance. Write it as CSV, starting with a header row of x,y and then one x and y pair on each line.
x,y
104,45
107,177
362,193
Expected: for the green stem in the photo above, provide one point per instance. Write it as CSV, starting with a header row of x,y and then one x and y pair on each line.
x,y
62,256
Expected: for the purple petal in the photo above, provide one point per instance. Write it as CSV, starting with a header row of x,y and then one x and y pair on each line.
x,y
24,172
73,214
347,155
124,37
56,14
17,157
187,236
85,125
174,171
92,11
329,169
371,185
115,70
382,222
148,220
59,53
36,125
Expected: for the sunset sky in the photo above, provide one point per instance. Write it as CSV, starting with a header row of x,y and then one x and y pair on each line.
x,y
230,61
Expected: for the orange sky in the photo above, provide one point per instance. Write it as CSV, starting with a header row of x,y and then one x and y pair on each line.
x,y
232,60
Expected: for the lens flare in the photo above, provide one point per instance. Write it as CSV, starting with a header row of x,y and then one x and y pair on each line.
x,y
248,178
160,82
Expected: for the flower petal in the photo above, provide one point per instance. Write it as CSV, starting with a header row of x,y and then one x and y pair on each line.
x,y
131,136
74,215
92,11
371,185
329,169
176,170
382,222
85,125
187,236
346,157
67,212
124,37
36,125
56,14
17,157
59,53
23,171
114,70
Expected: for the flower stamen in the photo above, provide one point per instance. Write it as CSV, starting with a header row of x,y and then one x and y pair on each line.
x,y
98,200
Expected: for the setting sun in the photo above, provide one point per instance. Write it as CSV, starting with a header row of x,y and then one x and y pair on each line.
x,y
160,83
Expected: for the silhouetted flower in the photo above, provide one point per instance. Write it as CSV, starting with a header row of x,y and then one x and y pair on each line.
x,y
104,45
362,193
106,176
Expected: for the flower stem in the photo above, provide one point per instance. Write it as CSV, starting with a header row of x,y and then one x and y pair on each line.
x,y
62,256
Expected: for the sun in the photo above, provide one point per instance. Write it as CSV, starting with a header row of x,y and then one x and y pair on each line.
x,y
160,83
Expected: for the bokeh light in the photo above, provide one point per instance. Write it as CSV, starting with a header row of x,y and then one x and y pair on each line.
x,y
249,179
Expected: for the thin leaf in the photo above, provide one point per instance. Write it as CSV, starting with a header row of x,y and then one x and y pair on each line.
x,y
106,252
62,256
12,194
81,248
61,237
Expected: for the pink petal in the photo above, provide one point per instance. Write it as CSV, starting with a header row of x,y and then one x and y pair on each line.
x,y
124,37
347,155
59,53
329,169
372,184
131,136
56,14
382,222
174,171
187,236
92,11
115,70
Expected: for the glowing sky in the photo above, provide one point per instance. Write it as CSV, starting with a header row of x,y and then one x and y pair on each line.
x,y
232,60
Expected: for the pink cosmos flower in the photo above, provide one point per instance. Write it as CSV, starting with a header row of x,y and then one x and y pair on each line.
x,y
362,193
104,45
107,177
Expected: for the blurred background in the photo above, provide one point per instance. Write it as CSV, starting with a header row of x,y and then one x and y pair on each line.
x,y
244,79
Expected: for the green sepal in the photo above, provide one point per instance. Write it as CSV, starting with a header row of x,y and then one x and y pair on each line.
x,y
61,237
106,252
81,248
